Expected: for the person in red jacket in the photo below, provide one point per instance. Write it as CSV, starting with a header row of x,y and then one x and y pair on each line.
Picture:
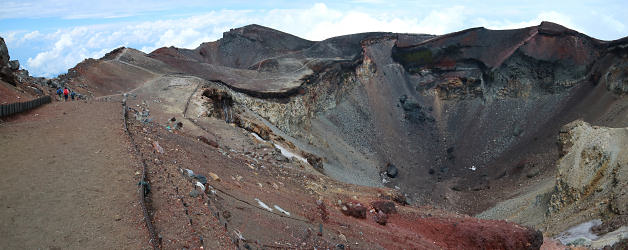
x,y
66,92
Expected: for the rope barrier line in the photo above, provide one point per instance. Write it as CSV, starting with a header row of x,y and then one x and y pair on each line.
x,y
248,203
143,184
187,214
185,111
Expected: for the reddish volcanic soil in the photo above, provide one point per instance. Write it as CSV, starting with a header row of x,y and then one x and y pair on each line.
x,y
9,94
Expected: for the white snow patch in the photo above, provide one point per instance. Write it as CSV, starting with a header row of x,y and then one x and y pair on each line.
x,y
200,185
258,137
580,231
285,152
472,168
289,154
281,210
263,205
189,172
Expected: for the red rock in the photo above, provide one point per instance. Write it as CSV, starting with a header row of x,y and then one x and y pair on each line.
x,y
208,141
354,209
381,218
388,207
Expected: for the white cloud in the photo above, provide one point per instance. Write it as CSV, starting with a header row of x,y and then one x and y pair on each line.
x,y
72,45
614,24
443,21
56,59
320,22
10,37
31,35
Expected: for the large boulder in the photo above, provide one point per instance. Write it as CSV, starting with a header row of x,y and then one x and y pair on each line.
x,y
4,53
6,74
391,171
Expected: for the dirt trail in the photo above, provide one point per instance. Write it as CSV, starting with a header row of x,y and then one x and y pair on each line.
x,y
68,180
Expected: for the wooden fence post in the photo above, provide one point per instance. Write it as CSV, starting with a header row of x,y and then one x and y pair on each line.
x,y
18,107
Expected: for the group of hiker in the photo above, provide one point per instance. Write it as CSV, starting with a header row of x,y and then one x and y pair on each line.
x,y
66,93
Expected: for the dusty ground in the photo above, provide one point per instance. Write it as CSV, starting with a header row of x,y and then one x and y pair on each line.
x,y
10,94
67,180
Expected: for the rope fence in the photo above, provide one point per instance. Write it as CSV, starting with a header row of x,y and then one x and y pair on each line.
x,y
143,184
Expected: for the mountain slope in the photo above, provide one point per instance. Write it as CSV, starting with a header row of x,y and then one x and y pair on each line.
x,y
467,119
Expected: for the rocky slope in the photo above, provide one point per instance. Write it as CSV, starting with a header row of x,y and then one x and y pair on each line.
x,y
467,111
457,114
16,84
465,120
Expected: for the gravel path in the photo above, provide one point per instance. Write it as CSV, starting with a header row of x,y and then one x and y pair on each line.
x,y
67,180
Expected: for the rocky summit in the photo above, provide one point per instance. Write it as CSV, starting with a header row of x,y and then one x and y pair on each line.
x,y
303,141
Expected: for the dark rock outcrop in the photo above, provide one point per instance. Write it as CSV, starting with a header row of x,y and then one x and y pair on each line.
x,y
547,59
387,207
14,65
354,209
23,85
391,170
6,68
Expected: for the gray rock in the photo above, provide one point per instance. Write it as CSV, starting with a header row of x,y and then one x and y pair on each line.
x,y
580,242
391,171
14,65
22,76
281,158
194,193
202,179
517,131
533,173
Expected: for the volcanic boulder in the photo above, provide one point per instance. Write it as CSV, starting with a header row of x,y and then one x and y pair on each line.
x,y
391,170
6,74
387,207
354,209
381,218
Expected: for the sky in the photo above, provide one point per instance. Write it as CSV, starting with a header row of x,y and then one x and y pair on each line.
x,y
50,36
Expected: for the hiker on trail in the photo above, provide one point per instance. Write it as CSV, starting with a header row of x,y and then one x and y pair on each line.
x,y
59,92
72,95
66,92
